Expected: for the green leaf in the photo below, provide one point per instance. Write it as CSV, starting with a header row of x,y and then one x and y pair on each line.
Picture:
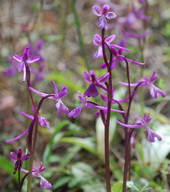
x,y
117,187
8,166
62,181
48,149
65,80
100,132
82,171
85,143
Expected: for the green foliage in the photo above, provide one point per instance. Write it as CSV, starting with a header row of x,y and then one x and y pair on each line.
x,y
8,166
85,143
166,30
66,80
117,187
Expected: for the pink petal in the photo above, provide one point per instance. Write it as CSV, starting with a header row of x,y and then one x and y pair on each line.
x,y
13,155
130,126
99,53
24,74
103,23
87,76
17,58
61,108
119,47
44,183
97,40
126,84
63,92
55,89
27,115
16,138
134,62
110,15
33,59
26,54
39,93
96,10
110,38
75,112
103,78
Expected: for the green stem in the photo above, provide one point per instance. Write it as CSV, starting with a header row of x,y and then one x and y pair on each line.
x,y
78,27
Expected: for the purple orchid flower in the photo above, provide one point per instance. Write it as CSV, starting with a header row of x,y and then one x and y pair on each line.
x,y
145,82
117,56
104,14
11,71
35,172
18,159
94,81
25,60
140,13
42,120
87,103
57,97
97,41
143,124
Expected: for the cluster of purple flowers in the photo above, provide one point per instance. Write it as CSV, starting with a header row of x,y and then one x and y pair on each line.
x,y
103,83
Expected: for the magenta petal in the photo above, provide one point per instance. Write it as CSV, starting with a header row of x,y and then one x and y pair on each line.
x,y
33,59
119,47
26,157
13,155
103,78
39,93
91,91
110,15
24,74
151,136
44,183
130,126
44,122
61,108
105,9
27,115
75,112
87,76
134,62
96,10
55,89
10,71
21,67
110,38
99,53
153,77
103,23
97,40
155,92
17,58
16,138
63,93
126,84
26,54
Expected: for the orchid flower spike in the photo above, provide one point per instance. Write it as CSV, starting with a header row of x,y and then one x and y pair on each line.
x,y
57,96
42,120
143,124
25,60
104,14
94,82
18,159
145,82
87,103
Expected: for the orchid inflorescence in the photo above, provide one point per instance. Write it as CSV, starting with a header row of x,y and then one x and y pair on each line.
x,y
103,83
